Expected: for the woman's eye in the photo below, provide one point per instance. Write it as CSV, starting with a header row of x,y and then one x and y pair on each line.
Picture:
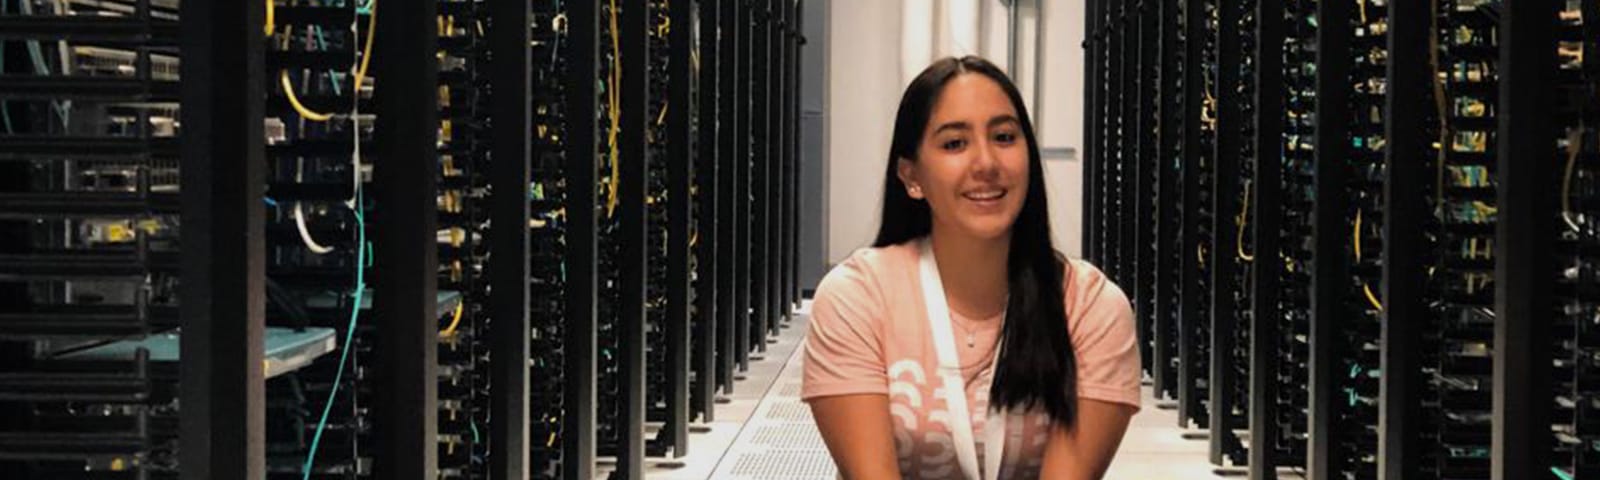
x,y
1005,138
953,145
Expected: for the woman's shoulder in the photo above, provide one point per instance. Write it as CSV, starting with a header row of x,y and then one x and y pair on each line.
x,y
1087,289
866,269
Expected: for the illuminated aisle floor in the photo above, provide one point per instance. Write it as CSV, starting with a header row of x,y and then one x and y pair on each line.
x,y
765,432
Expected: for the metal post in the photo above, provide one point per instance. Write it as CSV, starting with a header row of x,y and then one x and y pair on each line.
x,y
743,123
1169,138
796,59
1124,61
1091,130
729,134
1267,269
223,306
779,160
1223,260
1525,272
1139,191
1330,275
581,342
632,233
761,173
710,218
1190,315
405,246
510,170
1112,161
680,210
1405,245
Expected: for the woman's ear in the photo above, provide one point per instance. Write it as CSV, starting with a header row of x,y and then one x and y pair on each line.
x,y
906,169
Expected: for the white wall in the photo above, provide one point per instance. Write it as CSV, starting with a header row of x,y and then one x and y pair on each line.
x,y
1060,121
875,47
863,90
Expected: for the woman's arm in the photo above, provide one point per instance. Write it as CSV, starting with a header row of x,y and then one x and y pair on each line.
x,y
1084,450
857,430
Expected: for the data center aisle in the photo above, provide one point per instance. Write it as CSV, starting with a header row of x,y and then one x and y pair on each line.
x,y
766,432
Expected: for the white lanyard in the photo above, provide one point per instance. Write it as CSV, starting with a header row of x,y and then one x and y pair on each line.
x,y
955,390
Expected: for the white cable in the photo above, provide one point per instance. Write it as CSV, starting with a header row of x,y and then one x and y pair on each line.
x,y
305,235
300,217
355,123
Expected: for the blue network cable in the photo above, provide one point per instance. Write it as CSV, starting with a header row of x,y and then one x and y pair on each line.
x,y
363,250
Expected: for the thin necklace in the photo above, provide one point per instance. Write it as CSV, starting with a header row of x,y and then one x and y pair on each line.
x,y
972,337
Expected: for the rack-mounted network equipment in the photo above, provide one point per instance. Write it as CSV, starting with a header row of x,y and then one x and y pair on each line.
x,y
1365,230
374,322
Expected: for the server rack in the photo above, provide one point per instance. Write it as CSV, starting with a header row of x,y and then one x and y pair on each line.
x,y
1296,197
91,222
1141,178
1192,321
709,213
1467,50
422,341
1166,166
1396,257
760,171
1274,442
580,321
463,219
1572,336
1225,251
316,182
680,264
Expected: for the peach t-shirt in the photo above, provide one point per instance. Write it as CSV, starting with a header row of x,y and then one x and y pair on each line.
x,y
869,334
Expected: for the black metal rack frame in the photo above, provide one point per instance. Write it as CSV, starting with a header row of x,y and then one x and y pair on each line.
x,y
1376,89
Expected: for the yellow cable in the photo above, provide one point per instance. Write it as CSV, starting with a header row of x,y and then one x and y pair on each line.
x,y
1210,107
271,15
1355,235
613,98
1371,298
1241,221
294,101
366,50
1574,146
361,73
1365,288
454,322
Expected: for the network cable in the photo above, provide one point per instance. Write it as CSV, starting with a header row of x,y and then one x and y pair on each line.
x,y
1242,220
1574,147
360,77
349,336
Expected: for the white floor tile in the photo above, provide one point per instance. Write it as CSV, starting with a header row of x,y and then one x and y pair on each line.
x,y
766,412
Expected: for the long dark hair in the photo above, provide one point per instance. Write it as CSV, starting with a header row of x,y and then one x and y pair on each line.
x,y
1037,367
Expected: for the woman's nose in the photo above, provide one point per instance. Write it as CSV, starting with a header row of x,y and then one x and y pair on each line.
x,y
985,164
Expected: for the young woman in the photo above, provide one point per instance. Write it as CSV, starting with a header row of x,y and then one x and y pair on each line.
x,y
962,345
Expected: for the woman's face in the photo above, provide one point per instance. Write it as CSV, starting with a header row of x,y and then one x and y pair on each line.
x,y
972,163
